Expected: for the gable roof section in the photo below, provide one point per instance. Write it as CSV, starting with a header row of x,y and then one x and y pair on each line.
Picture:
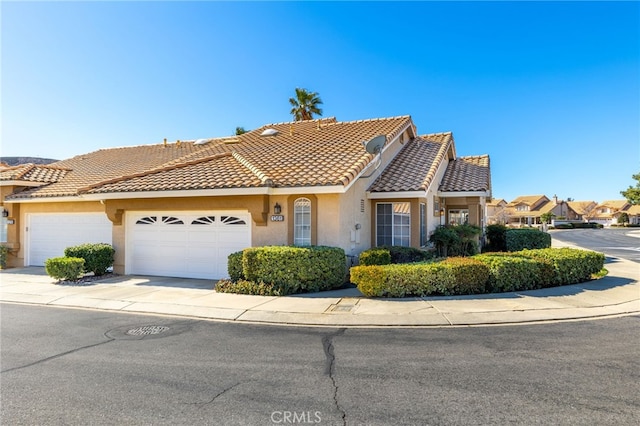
x,y
312,153
415,166
32,173
529,200
467,174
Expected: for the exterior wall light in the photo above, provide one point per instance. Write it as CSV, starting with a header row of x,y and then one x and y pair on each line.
x,y
277,209
5,213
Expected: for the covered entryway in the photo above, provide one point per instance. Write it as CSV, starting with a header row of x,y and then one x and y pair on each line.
x,y
184,244
48,234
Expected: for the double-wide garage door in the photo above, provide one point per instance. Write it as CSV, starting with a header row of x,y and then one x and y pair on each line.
x,y
185,244
48,234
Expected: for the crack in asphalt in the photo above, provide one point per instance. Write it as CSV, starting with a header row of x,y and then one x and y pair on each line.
x,y
216,396
40,361
327,345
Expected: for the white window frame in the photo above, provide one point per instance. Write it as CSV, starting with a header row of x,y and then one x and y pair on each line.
x,y
404,228
302,222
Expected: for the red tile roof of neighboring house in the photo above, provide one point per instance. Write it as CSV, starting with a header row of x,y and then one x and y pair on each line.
x,y
33,173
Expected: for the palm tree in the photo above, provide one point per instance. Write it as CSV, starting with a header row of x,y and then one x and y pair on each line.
x,y
305,105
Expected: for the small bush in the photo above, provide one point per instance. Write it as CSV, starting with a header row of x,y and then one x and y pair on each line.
x,y
98,257
520,239
64,268
564,226
251,287
401,254
4,250
375,256
496,238
458,240
234,266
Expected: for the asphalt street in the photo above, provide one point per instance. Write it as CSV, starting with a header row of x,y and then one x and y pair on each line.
x,y
613,242
77,367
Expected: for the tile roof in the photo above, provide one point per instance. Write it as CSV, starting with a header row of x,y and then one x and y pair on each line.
x,y
33,173
581,207
528,200
414,167
467,174
309,153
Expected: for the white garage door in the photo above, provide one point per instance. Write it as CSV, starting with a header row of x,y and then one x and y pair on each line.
x,y
185,244
48,234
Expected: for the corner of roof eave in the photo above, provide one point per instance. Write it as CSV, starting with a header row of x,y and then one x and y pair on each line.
x,y
453,194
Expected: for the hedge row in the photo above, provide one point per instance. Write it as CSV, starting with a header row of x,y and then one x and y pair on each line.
x,y
455,275
284,270
500,238
495,272
385,255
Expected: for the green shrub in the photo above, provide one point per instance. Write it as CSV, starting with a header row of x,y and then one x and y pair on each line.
x,y
571,265
520,239
375,256
401,254
4,250
513,272
299,269
564,226
496,238
242,286
64,268
400,280
234,266
98,257
455,276
470,276
458,240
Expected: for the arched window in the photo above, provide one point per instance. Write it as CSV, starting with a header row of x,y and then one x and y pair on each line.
x,y
302,222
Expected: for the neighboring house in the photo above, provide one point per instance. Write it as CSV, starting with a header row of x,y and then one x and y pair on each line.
x,y
581,210
497,211
527,210
634,214
179,209
607,212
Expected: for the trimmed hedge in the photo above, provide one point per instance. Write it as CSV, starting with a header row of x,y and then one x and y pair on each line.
x,y
287,270
98,257
64,268
375,256
234,266
452,276
512,272
524,238
571,265
489,272
385,255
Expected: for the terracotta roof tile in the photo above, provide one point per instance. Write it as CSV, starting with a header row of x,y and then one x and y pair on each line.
x,y
467,174
33,173
414,167
309,153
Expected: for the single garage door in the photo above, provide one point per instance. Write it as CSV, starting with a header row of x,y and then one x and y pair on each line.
x,y
48,234
185,244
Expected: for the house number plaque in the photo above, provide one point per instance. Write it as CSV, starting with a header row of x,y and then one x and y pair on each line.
x,y
277,218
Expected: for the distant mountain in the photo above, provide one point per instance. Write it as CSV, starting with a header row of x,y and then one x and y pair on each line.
x,y
14,161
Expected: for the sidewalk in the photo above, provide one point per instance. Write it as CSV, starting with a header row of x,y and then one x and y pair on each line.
x,y
616,294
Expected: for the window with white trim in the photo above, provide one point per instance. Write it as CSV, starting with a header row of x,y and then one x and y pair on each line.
x,y
393,224
302,222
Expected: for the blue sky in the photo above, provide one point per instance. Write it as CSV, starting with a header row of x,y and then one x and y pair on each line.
x,y
551,91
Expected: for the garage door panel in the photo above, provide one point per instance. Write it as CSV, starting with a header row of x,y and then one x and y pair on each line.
x,y
48,234
198,242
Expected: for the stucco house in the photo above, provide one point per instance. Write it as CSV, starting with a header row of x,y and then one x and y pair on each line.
x,y
179,208
607,212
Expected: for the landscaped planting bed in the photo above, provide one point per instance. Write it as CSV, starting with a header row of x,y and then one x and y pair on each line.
x,y
485,273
